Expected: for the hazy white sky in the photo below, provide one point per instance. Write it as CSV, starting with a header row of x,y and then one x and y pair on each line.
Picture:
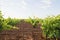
x,y
26,8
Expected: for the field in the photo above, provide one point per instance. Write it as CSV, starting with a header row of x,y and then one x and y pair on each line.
x,y
50,25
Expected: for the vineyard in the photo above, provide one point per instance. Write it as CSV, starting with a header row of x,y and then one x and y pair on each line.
x,y
49,25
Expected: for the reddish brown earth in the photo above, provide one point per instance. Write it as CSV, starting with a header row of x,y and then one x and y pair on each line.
x,y
25,32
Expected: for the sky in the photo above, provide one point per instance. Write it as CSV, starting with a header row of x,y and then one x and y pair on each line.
x,y
29,8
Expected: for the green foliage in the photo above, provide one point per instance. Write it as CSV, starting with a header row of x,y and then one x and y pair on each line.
x,y
1,21
11,21
34,21
7,24
51,26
